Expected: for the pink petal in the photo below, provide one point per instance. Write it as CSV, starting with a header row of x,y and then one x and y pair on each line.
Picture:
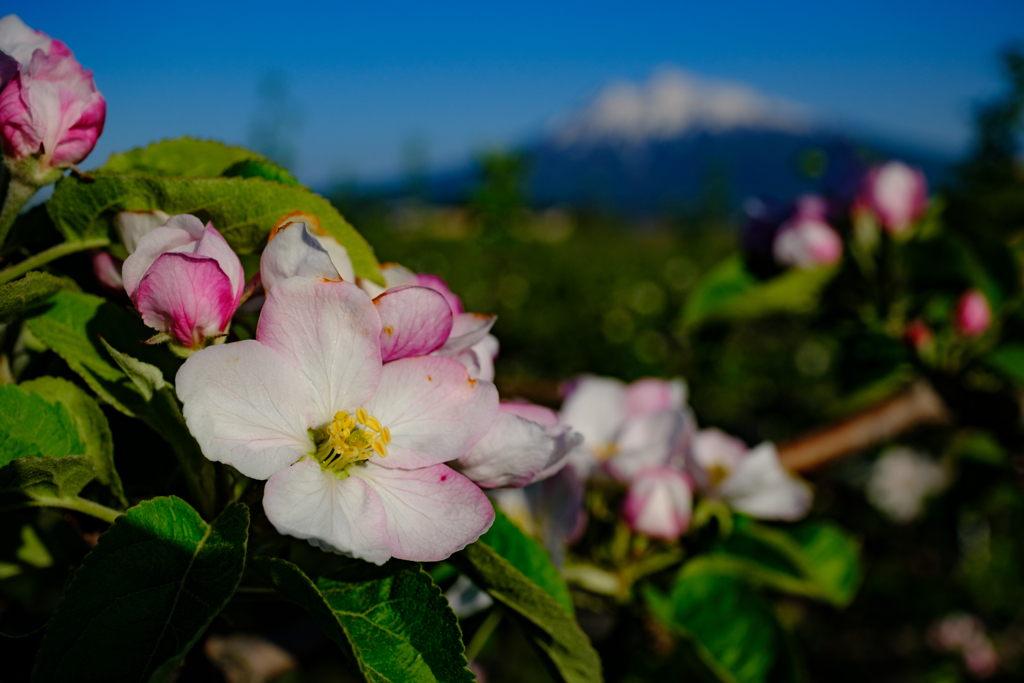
x,y
213,245
107,270
414,322
189,297
467,330
648,396
440,286
432,512
340,515
330,333
659,503
246,407
150,247
434,410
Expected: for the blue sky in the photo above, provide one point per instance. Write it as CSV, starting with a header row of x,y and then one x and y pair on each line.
x,y
367,78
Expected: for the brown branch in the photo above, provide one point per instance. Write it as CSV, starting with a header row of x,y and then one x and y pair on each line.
x,y
918,405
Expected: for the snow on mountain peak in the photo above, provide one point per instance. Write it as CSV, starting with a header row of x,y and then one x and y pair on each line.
x,y
674,102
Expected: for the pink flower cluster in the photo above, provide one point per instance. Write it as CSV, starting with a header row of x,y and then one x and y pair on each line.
x,y
645,436
50,110
965,633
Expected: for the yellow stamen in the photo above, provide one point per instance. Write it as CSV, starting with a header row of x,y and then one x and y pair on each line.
x,y
349,440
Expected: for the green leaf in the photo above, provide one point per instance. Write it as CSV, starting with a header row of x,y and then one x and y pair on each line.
x,y
43,481
261,168
1008,361
186,157
729,292
393,621
31,426
243,209
27,292
732,630
162,412
545,622
525,554
71,327
93,428
816,560
144,595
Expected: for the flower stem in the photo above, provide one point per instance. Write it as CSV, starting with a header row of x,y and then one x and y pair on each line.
x,y
82,505
51,254
483,633
18,194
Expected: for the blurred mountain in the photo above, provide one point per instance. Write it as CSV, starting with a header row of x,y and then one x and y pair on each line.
x,y
678,141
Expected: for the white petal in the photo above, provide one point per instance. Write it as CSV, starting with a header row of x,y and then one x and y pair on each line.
x,y
295,252
596,408
509,455
761,487
330,333
467,330
432,512
648,441
339,257
20,41
434,410
132,226
345,516
149,248
246,407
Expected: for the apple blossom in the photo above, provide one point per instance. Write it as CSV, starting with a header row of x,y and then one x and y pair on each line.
x,y
896,193
973,314
659,503
185,280
50,112
627,429
807,240
353,449
751,481
901,479
526,444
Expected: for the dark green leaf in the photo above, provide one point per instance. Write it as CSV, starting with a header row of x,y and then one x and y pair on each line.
x,y
144,595
552,630
186,157
729,292
93,428
816,560
1008,361
42,481
71,327
526,555
394,622
243,209
261,168
23,294
31,426
731,628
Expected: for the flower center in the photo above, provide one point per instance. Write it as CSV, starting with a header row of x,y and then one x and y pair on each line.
x,y
351,439
605,451
717,472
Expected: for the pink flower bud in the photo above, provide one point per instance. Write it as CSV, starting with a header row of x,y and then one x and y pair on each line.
x,y
973,315
185,280
50,108
918,335
649,396
659,503
807,241
897,193
107,270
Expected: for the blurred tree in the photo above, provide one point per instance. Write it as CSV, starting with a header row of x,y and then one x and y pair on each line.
x,y
989,192
500,201
275,126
